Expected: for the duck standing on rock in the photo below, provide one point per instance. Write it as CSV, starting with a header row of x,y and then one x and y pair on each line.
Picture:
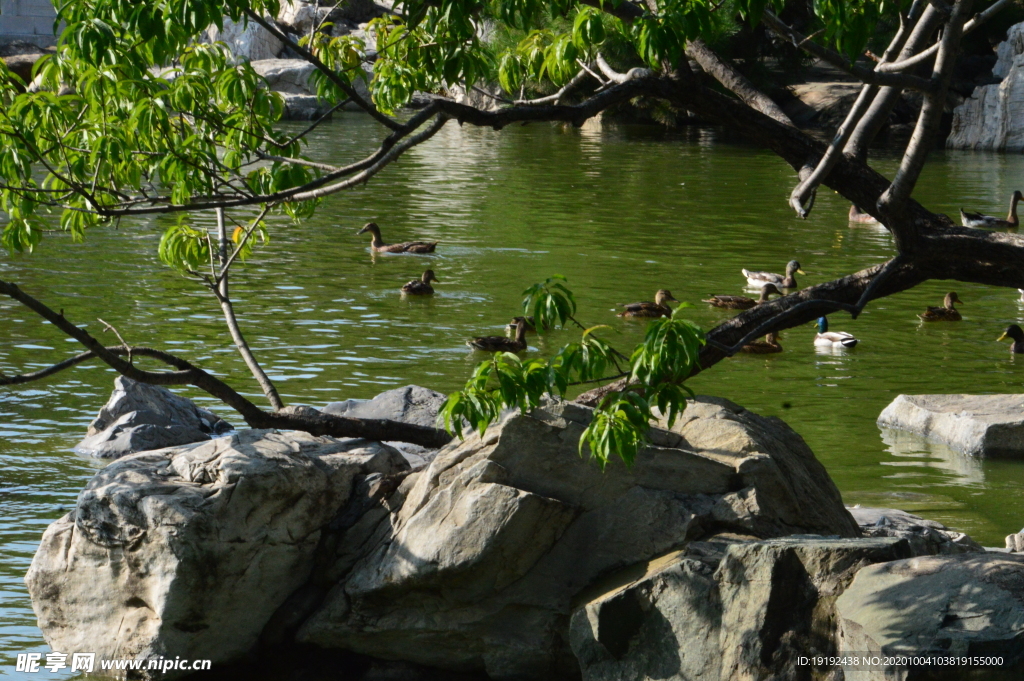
x,y
659,308
769,345
946,313
990,221
742,302
421,286
1015,333
501,343
378,245
761,279
832,339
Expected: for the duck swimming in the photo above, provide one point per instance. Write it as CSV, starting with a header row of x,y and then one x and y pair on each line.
x,y
528,321
659,308
946,313
990,221
501,343
378,245
742,302
1014,332
769,345
832,339
857,217
759,279
421,286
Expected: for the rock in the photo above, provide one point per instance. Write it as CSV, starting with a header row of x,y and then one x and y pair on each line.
x,y
246,40
285,75
409,404
21,65
965,605
479,568
189,551
300,16
139,417
820,103
1015,542
926,537
724,609
360,11
1008,50
979,425
993,117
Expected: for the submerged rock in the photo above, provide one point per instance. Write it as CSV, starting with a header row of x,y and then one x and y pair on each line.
x,y
139,417
189,551
978,425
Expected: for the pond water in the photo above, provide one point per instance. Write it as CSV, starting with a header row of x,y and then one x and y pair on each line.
x,y
620,211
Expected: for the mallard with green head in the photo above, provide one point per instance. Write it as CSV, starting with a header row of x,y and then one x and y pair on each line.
x,y
832,339
769,345
378,245
421,286
659,308
501,343
760,279
946,313
742,302
1014,333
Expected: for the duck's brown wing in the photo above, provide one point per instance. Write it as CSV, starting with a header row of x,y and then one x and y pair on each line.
x,y
637,307
417,288
490,343
732,302
418,246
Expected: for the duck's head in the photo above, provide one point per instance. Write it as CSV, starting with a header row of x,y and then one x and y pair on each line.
x,y
1018,196
428,277
822,325
369,227
664,295
793,266
1013,332
951,298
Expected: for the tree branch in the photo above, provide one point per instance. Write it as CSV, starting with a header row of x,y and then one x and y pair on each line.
x,y
734,81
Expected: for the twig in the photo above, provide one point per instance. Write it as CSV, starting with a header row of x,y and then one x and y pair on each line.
x,y
124,343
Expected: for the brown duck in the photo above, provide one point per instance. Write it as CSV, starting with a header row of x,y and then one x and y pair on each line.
x,y
769,345
421,286
659,308
946,313
501,343
860,218
742,302
405,247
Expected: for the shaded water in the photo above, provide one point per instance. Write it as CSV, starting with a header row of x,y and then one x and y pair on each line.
x,y
621,212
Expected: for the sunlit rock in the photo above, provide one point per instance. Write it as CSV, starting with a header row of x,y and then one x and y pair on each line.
x,y
979,425
925,536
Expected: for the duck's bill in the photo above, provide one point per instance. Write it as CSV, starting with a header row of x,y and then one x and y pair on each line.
x,y
1003,337
801,272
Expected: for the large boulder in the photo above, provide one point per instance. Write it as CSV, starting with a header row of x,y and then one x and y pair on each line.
x,y
979,425
290,78
189,551
480,567
966,605
247,40
139,417
993,117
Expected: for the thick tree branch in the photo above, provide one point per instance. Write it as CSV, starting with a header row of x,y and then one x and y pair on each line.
x,y
734,81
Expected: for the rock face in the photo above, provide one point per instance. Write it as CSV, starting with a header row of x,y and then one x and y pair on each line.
x,y
480,567
189,551
409,404
963,605
290,78
246,40
139,417
993,117
979,425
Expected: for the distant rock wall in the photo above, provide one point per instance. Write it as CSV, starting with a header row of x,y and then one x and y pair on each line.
x,y
27,20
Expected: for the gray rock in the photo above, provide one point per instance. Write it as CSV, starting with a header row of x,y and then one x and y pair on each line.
x,y
1008,50
189,551
247,40
926,537
1015,542
139,417
409,404
479,568
285,75
724,609
970,604
978,425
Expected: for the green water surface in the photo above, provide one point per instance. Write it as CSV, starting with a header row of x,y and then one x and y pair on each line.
x,y
620,211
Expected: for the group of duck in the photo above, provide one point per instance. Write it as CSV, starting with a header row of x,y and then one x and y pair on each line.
x,y
769,283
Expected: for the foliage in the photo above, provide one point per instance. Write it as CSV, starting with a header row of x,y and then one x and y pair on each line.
x,y
656,371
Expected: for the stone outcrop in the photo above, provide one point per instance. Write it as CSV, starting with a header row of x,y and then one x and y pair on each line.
x,y
140,417
970,604
246,40
993,117
979,425
926,537
189,551
494,540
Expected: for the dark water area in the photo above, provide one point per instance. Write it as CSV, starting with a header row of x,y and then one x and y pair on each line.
x,y
619,211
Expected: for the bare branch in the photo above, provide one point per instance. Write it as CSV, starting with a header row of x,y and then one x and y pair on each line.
x,y
734,81
556,98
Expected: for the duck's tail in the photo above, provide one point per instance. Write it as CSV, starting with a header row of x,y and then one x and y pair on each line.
x,y
849,342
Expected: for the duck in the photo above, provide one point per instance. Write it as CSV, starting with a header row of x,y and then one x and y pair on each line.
x,y
379,246
760,279
1014,332
421,286
501,343
946,313
833,339
769,345
860,218
742,302
990,221
531,326
659,308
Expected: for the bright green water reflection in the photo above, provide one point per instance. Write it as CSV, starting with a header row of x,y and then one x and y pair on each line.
x,y
620,212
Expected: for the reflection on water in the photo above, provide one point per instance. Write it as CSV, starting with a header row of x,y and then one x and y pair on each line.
x,y
620,211
915,452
